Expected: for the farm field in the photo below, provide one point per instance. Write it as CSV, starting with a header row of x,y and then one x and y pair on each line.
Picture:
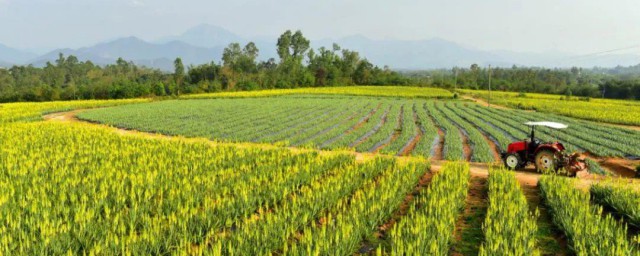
x,y
231,173
394,126
600,110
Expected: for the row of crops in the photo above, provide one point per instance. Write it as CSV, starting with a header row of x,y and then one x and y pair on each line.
x,y
366,124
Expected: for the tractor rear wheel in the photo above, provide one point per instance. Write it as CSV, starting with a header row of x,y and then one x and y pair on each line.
x,y
512,161
546,160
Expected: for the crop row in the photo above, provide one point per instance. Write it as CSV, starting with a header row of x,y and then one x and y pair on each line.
x,y
357,135
274,227
509,227
341,230
481,150
285,130
452,138
502,140
589,231
428,227
623,198
406,133
330,131
429,132
316,125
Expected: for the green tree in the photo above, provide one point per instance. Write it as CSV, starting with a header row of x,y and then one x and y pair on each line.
x,y
178,74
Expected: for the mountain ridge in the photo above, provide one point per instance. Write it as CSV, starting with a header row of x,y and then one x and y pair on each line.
x,y
205,43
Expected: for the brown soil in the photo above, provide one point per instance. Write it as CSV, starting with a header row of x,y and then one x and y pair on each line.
x,y
393,138
395,134
402,210
365,120
468,233
618,166
466,148
483,102
439,147
412,144
630,127
63,116
551,240
494,148
383,120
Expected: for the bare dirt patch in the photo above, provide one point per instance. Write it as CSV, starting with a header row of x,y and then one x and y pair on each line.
x,y
468,232
412,144
63,116
483,102
494,148
381,233
438,152
375,129
466,147
388,141
550,239
618,166
630,127
407,149
363,121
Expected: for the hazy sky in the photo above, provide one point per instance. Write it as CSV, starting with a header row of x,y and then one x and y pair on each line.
x,y
578,27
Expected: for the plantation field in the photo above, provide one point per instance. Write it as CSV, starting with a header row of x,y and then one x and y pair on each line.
x,y
69,187
395,126
601,110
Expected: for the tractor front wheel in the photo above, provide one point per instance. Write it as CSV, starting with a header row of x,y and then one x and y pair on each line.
x,y
512,161
546,160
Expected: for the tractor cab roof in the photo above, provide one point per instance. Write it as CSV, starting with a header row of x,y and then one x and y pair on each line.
x,y
553,125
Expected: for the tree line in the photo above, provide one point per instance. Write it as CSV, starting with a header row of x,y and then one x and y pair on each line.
x,y
298,65
614,83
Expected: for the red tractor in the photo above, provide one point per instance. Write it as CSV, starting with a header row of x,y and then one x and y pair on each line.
x,y
544,155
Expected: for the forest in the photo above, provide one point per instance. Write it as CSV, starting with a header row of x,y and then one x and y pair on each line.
x,y
298,66
613,83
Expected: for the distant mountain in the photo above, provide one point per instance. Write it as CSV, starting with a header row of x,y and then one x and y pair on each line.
x,y
138,51
417,54
9,56
439,53
205,35
205,43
